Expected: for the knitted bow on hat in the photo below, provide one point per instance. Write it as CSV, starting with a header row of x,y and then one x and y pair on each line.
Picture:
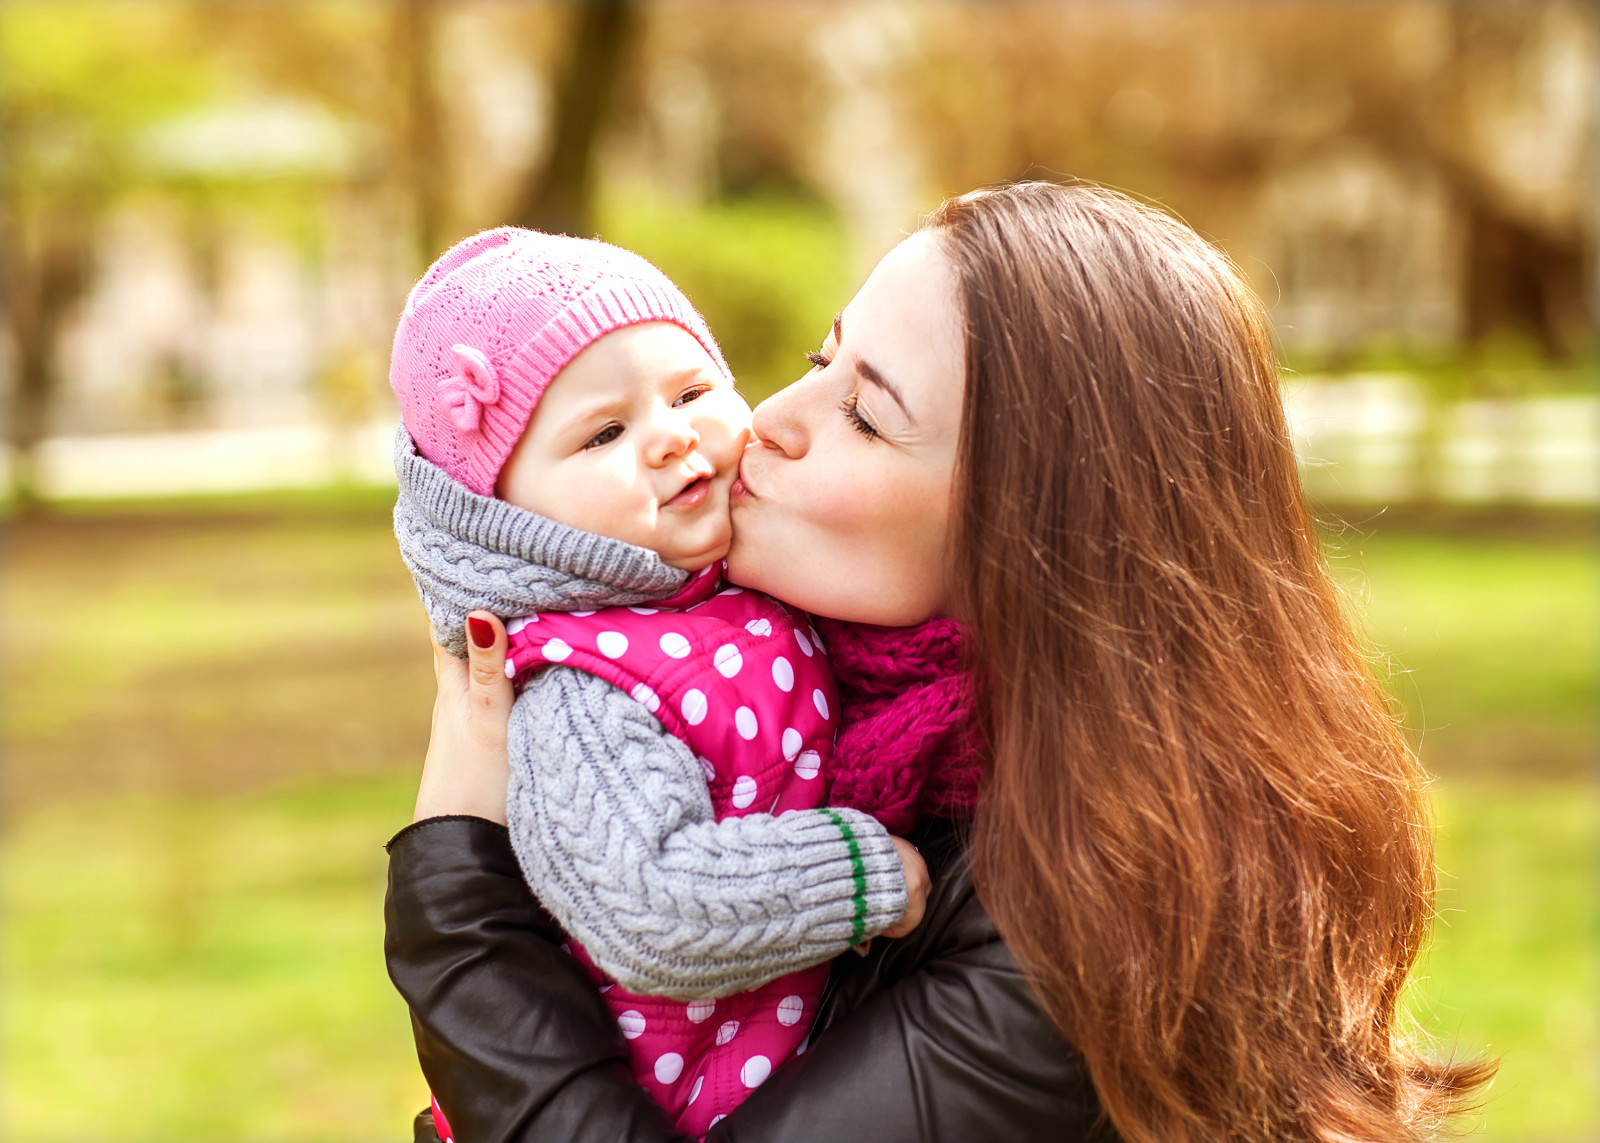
x,y
466,391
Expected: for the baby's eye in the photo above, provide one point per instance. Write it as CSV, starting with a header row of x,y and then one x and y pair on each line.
x,y
605,436
692,395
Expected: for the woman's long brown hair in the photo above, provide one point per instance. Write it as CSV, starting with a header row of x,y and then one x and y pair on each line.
x,y
1204,836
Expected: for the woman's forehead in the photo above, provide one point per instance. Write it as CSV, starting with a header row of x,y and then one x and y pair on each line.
x,y
905,323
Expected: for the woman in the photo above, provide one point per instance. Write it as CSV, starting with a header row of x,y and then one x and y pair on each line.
x,y
1199,870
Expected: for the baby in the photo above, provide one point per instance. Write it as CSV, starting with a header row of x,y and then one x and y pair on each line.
x,y
571,437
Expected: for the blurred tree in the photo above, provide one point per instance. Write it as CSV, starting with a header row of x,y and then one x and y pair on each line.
x,y
1206,106
420,158
46,251
560,197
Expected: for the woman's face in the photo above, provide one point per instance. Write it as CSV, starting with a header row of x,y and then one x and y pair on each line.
x,y
842,506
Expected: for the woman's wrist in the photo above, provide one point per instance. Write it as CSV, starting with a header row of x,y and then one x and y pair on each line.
x,y
443,799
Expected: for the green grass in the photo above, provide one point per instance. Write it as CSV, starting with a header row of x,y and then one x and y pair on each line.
x,y
1513,971
1489,643
206,968
214,719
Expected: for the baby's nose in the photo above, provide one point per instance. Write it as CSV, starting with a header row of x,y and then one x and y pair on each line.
x,y
675,437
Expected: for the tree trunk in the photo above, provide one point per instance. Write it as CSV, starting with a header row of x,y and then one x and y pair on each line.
x,y
559,198
422,162
46,276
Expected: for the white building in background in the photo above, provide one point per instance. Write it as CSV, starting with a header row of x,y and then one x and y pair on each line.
x,y
220,347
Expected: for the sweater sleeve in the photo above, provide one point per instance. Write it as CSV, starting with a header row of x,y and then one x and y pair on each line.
x,y
612,825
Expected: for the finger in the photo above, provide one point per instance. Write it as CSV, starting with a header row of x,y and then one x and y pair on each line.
x,y
916,909
441,661
486,661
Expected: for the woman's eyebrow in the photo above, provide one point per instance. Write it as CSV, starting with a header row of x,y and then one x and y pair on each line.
x,y
882,382
870,373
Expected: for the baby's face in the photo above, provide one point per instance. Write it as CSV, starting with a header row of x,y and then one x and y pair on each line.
x,y
639,439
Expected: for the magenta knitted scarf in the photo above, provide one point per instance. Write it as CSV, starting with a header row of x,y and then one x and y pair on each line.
x,y
908,746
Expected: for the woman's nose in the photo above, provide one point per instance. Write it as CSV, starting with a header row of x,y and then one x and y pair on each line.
x,y
784,420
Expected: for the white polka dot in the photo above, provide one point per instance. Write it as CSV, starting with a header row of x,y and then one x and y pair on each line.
x,y
669,1066
515,625
822,702
632,1024
758,627
511,669
805,644
804,1044
727,660
699,1011
566,947
707,767
727,1032
694,1092
791,743
612,644
817,639
694,707
755,1071
643,610
716,1119
790,1009
807,765
744,791
783,674
607,987
556,650
731,591
583,614
647,698
674,645
744,720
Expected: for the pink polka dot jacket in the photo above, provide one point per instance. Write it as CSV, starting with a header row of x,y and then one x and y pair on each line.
x,y
741,680
649,753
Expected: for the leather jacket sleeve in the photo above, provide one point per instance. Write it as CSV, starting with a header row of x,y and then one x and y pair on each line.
x,y
934,1037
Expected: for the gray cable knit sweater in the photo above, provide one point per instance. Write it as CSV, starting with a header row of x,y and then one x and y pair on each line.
x,y
609,813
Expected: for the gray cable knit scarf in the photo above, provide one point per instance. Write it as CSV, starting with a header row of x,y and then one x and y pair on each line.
x,y
467,552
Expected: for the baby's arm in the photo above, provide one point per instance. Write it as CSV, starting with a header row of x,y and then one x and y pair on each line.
x,y
613,826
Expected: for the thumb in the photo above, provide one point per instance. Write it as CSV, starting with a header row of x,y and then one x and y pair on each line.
x,y
487,685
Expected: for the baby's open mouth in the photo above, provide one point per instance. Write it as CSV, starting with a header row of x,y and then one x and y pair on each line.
x,y
692,495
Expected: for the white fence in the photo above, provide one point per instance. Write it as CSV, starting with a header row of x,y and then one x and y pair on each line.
x,y
1377,439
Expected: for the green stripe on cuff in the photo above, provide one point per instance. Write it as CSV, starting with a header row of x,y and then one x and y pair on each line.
x,y
858,873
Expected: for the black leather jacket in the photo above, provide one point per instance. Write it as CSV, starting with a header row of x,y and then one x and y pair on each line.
x,y
933,1037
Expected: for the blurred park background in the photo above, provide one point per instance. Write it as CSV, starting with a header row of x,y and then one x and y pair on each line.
x,y
215,674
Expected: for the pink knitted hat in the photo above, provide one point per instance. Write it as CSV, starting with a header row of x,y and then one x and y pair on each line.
x,y
495,319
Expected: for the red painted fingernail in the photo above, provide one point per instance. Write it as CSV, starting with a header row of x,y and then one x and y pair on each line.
x,y
480,631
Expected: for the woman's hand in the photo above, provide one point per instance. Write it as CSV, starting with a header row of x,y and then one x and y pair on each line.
x,y
917,885
466,770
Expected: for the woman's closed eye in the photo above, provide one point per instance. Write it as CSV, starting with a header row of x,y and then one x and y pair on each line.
x,y
850,407
604,437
